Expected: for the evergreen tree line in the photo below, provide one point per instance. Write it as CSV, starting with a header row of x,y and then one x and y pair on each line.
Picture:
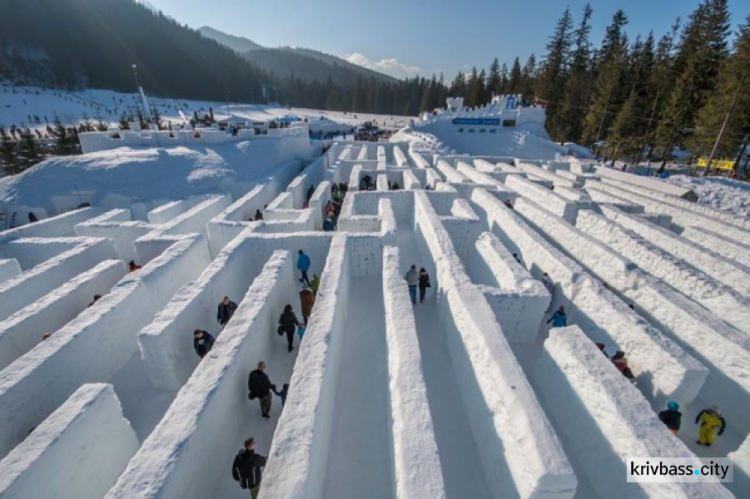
x,y
640,98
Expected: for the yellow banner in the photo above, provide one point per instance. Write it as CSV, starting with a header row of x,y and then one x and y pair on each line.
x,y
721,164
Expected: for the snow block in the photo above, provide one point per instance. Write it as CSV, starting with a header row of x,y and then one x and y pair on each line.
x,y
732,250
116,225
399,156
58,226
318,201
484,179
494,388
554,202
645,182
681,217
701,333
96,344
78,452
31,285
9,269
415,453
603,419
171,210
20,332
540,172
166,344
736,276
741,461
601,197
196,218
520,301
664,370
298,455
450,174
679,202
207,420
704,289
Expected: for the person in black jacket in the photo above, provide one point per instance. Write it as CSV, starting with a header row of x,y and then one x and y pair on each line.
x,y
260,387
226,310
288,324
202,342
248,468
424,283
672,417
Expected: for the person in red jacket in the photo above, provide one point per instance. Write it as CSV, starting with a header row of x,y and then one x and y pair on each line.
x,y
133,267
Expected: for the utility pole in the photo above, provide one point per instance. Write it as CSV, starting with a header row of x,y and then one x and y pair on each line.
x,y
724,125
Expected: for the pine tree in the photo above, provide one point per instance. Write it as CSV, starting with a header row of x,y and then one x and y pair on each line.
x,y
578,85
732,81
608,91
629,130
29,152
493,79
703,48
661,82
553,74
8,158
514,80
528,75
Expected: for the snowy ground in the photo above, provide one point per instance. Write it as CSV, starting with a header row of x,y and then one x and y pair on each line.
x,y
19,106
722,193
481,397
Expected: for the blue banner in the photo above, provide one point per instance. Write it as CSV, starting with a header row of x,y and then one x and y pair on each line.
x,y
477,121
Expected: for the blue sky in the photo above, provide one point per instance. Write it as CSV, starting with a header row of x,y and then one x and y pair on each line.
x,y
403,37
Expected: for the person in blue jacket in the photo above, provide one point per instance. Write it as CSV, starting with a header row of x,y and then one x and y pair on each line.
x,y
303,264
559,319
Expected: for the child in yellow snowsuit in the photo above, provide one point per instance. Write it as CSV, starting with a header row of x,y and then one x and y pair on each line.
x,y
711,421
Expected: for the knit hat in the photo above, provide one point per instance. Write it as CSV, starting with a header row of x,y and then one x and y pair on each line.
x,y
672,405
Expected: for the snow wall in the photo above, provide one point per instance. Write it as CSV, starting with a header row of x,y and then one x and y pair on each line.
x,y
662,367
591,402
76,453
491,378
203,422
24,329
76,353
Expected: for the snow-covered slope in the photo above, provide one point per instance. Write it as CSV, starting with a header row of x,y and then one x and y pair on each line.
x,y
20,105
719,192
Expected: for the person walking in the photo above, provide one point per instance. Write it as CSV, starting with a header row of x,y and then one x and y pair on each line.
x,y
412,279
226,311
547,281
303,265
258,215
558,319
287,324
260,386
712,424
621,363
671,417
202,342
315,284
247,468
307,300
424,283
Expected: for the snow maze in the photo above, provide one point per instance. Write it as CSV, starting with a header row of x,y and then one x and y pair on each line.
x,y
468,395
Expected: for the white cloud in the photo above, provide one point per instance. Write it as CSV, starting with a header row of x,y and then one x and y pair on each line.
x,y
391,66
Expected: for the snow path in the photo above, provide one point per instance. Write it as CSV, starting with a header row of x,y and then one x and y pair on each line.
x,y
360,456
459,455
279,369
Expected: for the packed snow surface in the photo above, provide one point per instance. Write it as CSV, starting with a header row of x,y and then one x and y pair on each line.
x,y
726,194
